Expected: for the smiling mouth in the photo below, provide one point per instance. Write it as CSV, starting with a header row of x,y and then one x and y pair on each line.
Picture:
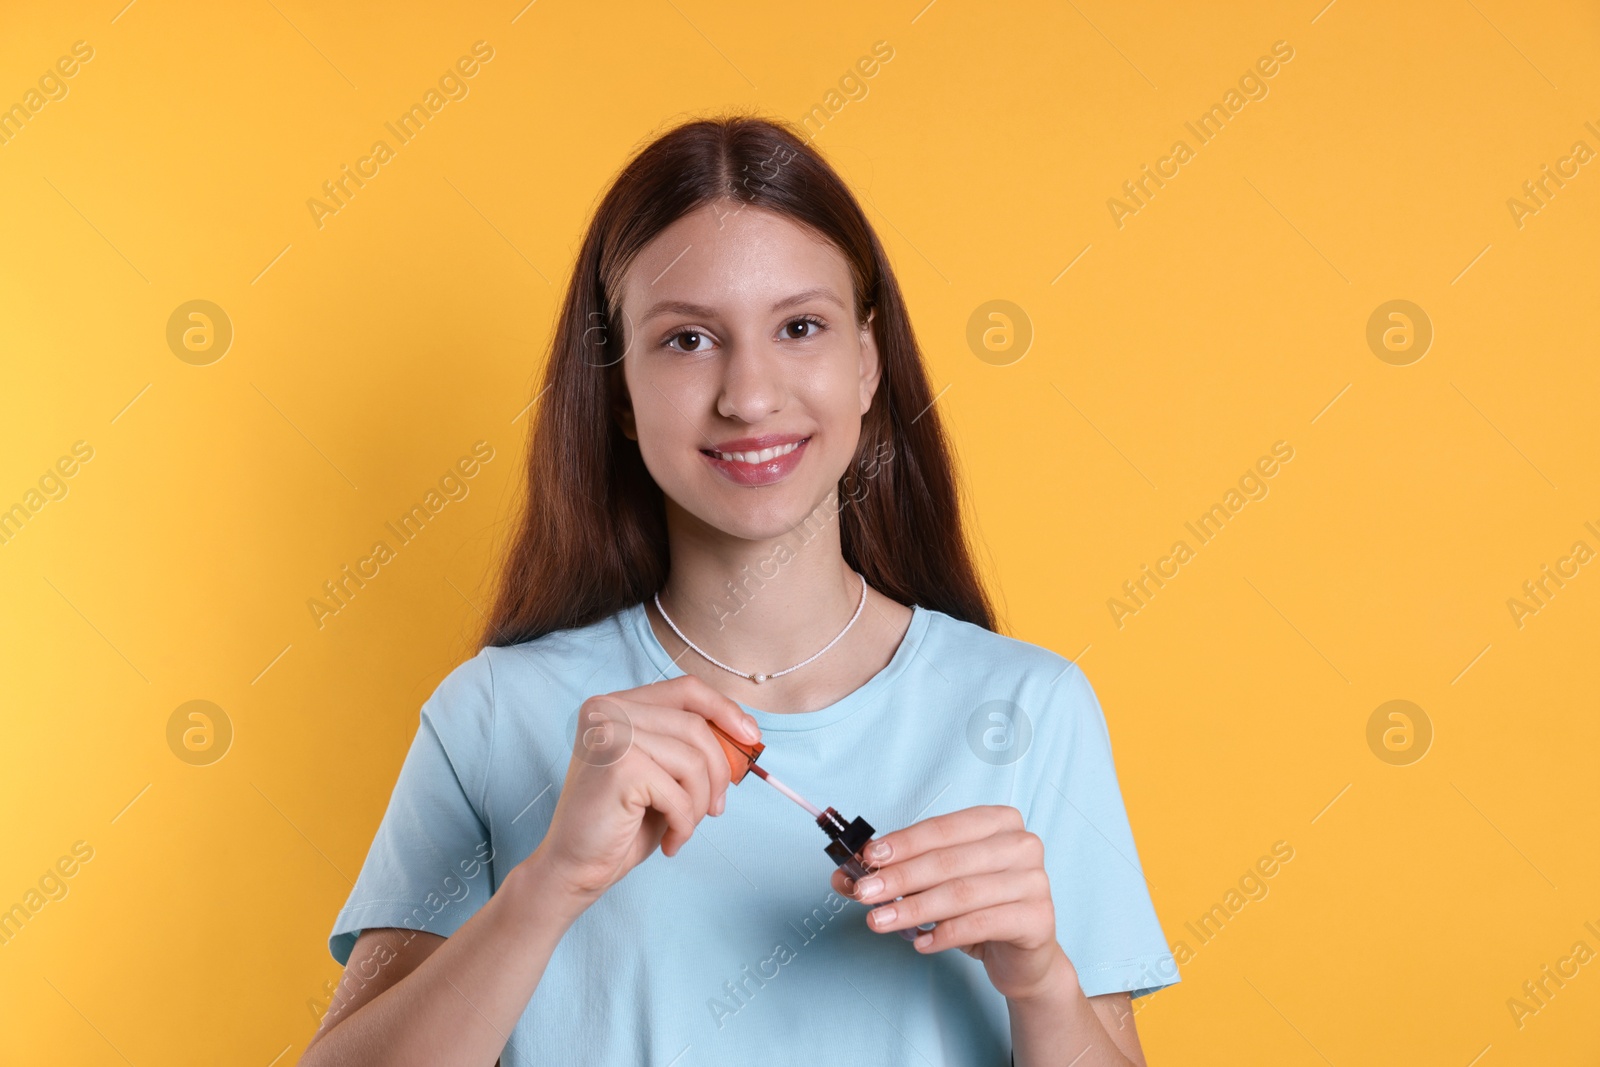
x,y
765,455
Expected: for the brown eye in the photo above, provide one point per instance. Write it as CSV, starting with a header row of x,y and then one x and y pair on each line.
x,y
691,339
797,330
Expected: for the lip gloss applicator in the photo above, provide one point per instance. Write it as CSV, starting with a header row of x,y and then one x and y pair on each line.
x,y
845,840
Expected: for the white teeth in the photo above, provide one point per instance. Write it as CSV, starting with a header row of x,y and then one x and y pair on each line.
x,y
759,457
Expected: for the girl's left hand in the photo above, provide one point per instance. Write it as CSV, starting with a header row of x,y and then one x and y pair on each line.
x,y
978,874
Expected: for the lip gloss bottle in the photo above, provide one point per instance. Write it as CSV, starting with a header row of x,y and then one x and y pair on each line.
x,y
845,840
844,847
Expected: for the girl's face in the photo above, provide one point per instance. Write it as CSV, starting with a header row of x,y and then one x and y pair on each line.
x,y
747,374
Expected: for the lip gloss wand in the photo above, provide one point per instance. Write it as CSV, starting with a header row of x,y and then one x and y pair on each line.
x,y
845,839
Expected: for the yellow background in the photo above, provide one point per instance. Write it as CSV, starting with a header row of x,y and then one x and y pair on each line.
x,y
1229,313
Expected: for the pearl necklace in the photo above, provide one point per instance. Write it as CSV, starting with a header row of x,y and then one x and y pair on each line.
x,y
758,677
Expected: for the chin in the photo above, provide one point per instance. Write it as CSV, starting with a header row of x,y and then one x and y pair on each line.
x,y
764,514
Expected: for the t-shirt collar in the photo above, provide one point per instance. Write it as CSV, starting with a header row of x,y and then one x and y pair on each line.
x,y
637,623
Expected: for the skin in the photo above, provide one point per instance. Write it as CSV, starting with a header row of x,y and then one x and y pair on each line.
x,y
735,369
739,322
980,876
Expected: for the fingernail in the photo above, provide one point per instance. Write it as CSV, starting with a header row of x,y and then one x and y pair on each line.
x,y
750,730
868,887
880,851
923,940
883,916
718,805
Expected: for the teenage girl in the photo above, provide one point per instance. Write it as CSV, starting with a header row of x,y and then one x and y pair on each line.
x,y
741,515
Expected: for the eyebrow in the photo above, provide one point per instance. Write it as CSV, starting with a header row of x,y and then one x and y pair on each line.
x,y
700,310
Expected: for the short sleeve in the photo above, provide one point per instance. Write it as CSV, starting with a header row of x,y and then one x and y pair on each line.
x,y
1105,920
429,867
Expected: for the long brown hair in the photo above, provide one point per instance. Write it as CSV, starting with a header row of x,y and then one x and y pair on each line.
x,y
591,535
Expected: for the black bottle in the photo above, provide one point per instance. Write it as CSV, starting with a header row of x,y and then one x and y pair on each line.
x,y
847,841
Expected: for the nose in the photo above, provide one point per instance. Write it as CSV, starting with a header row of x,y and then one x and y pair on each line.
x,y
753,384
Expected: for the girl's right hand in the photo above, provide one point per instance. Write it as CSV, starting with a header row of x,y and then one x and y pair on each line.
x,y
645,769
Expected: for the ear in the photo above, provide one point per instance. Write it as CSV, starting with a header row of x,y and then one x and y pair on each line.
x,y
871,364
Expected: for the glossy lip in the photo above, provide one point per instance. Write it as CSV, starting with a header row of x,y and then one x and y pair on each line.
x,y
753,474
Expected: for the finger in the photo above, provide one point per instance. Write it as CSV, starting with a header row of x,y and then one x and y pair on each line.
x,y
692,694
941,831
609,723
656,789
843,884
959,896
685,762
694,730
1028,923
604,731
1009,850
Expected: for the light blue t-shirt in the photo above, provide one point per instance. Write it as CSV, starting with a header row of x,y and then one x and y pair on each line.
x,y
737,950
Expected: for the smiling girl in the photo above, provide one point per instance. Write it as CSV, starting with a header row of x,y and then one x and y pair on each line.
x,y
741,511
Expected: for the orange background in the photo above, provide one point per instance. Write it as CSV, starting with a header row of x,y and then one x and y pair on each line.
x,y
1167,354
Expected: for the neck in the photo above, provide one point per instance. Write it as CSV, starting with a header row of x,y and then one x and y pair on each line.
x,y
759,605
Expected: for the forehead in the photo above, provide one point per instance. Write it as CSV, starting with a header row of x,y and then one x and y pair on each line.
x,y
724,254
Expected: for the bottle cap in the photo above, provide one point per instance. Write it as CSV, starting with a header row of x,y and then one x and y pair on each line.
x,y
741,754
846,840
